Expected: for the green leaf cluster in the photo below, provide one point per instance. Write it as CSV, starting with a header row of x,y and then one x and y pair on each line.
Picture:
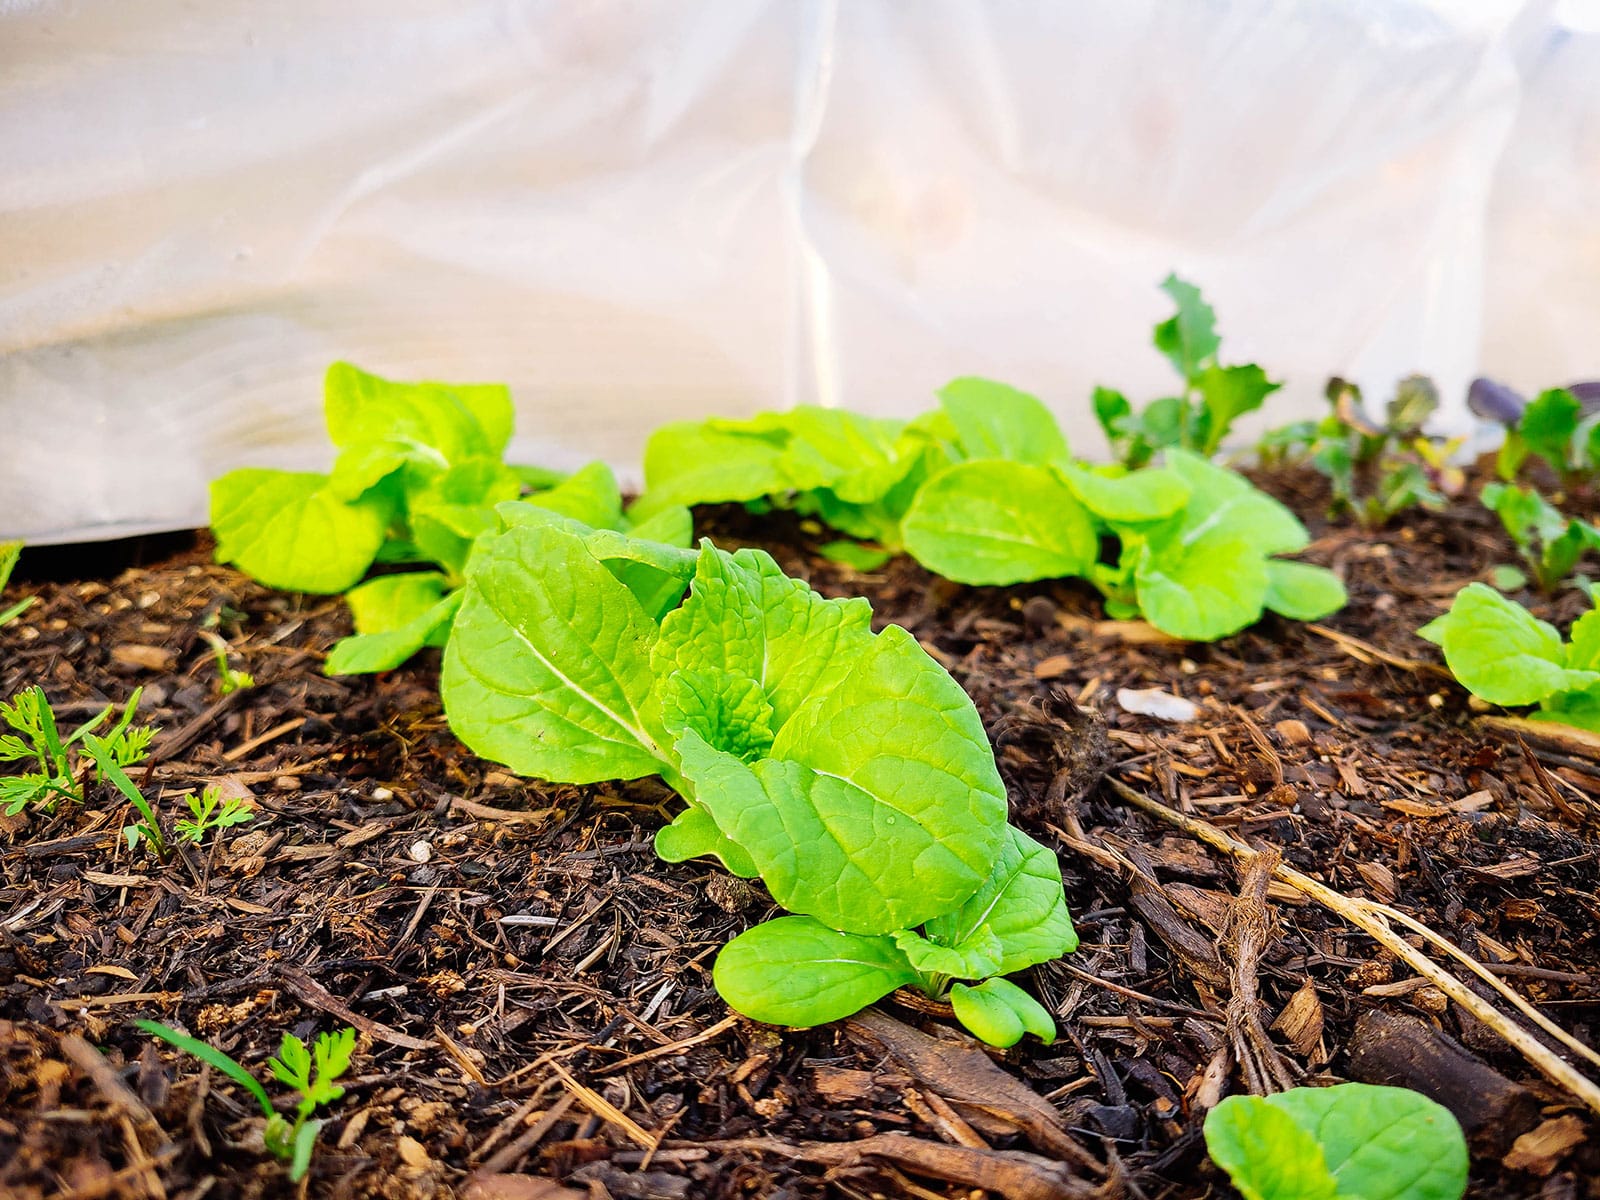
x,y
1353,1141
54,767
1213,396
418,474
1375,470
312,1072
1502,653
984,491
1554,430
1550,542
209,811
843,767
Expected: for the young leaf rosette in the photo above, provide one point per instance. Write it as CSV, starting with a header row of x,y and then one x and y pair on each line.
x,y
843,767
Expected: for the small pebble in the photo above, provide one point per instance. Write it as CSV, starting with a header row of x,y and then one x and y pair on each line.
x,y
421,851
381,794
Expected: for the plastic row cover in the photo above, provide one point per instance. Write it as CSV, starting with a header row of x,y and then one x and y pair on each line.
x,y
633,212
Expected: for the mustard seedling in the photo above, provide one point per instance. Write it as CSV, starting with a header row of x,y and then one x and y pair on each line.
x,y
311,1072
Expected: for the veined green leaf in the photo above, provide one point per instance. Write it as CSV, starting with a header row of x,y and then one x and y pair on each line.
x,y
285,529
435,421
698,462
392,601
1021,903
547,669
1501,652
975,957
993,522
589,494
797,971
1202,587
1266,1153
1135,498
1221,500
993,420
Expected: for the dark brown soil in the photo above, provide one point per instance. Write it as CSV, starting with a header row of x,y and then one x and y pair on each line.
x,y
532,986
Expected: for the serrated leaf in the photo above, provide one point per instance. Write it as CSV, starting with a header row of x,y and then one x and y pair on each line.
x,y
547,669
1021,903
995,421
998,1012
797,971
1303,591
1188,338
1227,393
1501,652
993,522
286,530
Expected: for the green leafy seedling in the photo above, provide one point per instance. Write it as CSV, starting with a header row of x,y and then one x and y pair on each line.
x,y
1213,396
209,811
311,1072
1551,543
1354,1141
1502,653
229,678
1549,430
58,766
10,552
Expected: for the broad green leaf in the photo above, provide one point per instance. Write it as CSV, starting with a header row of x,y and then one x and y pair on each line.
x,y
1381,1143
1583,642
1221,500
1134,498
857,458
693,834
975,958
286,530
589,495
1303,591
392,601
449,510
1201,587
998,1012
1227,394
432,422
536,479
670,526
745,617
1501,652
548,667
796,971
995,522
1266,1153
1188,338
368,653
1021,903
1578,709
855,555
1161,423
697,462
993,420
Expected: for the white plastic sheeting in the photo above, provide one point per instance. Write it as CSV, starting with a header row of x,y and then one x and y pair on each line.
x,y
633,212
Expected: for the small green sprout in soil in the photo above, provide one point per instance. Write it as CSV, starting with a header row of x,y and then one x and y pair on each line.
x,y
229,678
1553,430
1375,470
311,1072
57,768
1353,1141
1213,396
209,811
1502,653
1551,543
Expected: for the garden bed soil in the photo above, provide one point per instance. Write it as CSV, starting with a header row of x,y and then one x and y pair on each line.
x,y
532,987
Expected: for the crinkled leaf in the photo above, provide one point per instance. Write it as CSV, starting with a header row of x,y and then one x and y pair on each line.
x,y
976,957
1021,903
797,971
1266,1153
547,669
998,1012
993,420
745,617
1501,652
1381,1143
729,710
286,530
992,522
1188,338
1132,498
1303,591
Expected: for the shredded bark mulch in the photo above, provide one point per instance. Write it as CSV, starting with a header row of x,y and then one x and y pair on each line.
x,y
531,986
